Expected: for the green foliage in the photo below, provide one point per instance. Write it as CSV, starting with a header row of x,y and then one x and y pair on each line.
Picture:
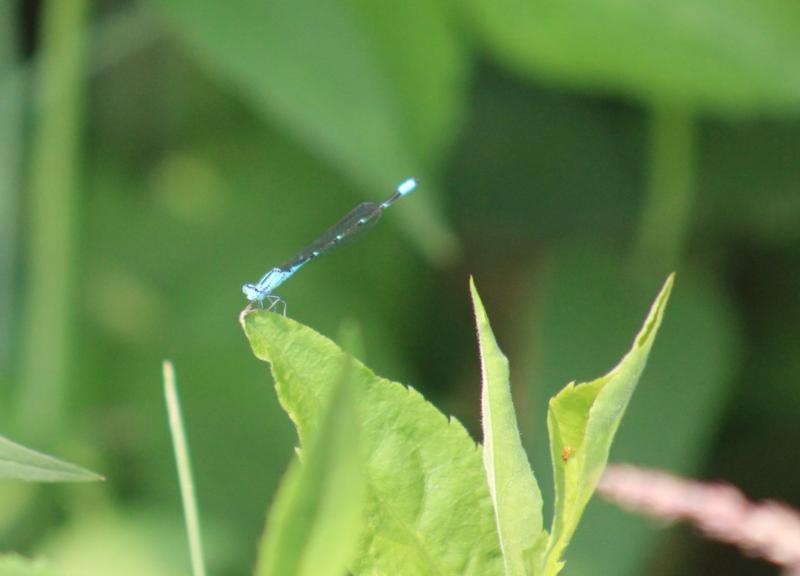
x,y
221,137
582,421
150,541
53,188
428,510
11,565
515,493
184,466
427,504
345,79
727,56
315,523
20,463
673,420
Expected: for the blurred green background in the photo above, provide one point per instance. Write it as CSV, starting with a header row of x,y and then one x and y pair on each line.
x,y
155,155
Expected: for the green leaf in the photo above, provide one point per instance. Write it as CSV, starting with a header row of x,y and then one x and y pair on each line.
x,y
428,508
315,523
582,421
20,463
13,565
512,485
427,75
337,75
575,334
727,56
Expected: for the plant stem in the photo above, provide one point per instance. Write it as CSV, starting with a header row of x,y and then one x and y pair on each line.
x,y
184,465
665,218
11,115
50,254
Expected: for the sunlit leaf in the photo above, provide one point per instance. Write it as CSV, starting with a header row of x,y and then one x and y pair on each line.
x,y
428,508
512,485
315,523
674,416
582,421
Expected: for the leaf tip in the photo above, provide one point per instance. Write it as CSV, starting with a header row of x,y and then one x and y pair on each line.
x,y
656,312
472,289
477,303
243,316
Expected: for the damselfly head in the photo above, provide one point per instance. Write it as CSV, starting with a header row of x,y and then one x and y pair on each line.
x,y
251,292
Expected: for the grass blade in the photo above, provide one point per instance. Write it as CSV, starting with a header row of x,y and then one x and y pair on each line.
x,y
184,470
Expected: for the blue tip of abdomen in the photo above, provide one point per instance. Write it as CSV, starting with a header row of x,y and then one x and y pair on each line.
x,y
407,186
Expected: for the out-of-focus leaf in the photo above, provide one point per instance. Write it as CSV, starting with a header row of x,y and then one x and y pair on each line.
x,y
676,407
541,164
127,542
331,73
11,122
20,463
748,181
728,56
512,485
12,565
582,420
428,507
315,523
424,60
